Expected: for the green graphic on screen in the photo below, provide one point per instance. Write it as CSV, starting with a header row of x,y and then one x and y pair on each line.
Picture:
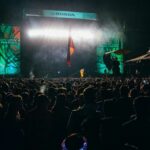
x,y
9,50
105,62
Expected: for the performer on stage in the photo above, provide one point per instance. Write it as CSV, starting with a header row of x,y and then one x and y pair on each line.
x,y
115,68
82,71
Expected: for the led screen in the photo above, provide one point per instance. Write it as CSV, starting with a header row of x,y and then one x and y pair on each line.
x,y
105,63
9,50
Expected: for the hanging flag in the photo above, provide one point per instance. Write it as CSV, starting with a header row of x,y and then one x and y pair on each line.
x,y
71,50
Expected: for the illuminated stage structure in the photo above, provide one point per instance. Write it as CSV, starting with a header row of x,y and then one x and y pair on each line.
x,y
45,44
46,41
45,36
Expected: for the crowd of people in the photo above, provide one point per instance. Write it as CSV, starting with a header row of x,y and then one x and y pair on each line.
x,y
75,114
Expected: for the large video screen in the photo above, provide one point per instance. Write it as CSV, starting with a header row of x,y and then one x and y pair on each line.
x,y
9,50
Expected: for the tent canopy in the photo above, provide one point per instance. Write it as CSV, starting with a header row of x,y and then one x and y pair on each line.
x,y
140,58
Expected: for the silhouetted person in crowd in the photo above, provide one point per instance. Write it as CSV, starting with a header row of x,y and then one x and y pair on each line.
x,y
52,93
1,108
136,133
145,89
123,105
133,93
110,127
86,119
78,115
39,130
60,117
13,136
115,67
1,123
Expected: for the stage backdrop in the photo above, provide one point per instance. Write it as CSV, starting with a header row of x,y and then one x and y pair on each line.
x,y
9,50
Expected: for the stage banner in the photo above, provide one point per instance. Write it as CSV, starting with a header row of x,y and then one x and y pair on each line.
x,y
60,14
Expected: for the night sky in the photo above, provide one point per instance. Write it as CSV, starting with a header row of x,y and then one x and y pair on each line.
x,y
134,14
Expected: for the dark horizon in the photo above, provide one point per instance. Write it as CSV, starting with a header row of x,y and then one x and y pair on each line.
x,y
133,15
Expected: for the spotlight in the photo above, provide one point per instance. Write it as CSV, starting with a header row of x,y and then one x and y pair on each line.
x,y
83,34
61,33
